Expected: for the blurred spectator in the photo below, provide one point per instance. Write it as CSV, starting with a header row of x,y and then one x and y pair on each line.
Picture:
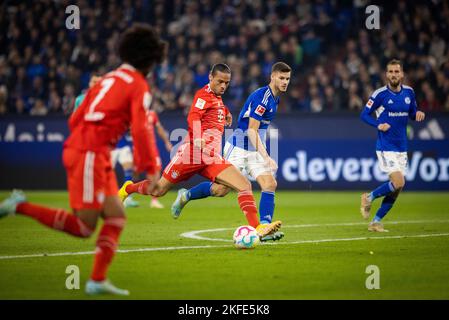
x,y
39,108
54,102
3,99
68,99
19,106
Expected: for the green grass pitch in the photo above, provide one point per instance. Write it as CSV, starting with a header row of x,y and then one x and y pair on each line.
x,y
324,254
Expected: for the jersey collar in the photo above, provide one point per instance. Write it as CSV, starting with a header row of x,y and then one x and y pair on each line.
x,y
276,99
388,87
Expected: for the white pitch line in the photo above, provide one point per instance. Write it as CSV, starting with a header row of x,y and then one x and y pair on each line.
x,y
60,254
194,234
41,255
362,238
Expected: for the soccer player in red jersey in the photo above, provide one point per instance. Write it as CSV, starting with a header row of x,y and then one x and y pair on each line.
x,y
119,100
201,152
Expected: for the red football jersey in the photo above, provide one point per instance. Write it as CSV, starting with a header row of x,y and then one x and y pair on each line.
x,y
121,99
207,118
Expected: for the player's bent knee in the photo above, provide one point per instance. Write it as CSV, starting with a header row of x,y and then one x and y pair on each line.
x,y
220,190
399,184
243,186
247,185
272,185
269,185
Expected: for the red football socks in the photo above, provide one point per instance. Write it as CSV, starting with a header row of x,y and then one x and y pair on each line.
x,y
106,246
138,187
57,219
248,206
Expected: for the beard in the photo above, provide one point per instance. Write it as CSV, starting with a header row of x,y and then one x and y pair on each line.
x,y
394,83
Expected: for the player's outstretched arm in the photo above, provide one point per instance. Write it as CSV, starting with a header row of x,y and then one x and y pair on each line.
x,y
143,156
164,136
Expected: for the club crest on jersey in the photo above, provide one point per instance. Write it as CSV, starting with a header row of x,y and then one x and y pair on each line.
x,y
407,100
260,110
220,115
369,104
200,103
174,174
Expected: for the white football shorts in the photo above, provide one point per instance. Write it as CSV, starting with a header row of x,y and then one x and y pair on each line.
x,y
249,161
121,155
390,161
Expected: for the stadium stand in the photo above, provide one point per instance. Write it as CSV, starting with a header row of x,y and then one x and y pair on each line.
x,y
336,61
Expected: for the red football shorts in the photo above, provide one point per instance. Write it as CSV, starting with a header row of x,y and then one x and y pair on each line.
x,y
186,164
90,178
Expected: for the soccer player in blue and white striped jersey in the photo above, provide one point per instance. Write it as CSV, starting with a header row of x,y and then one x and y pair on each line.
x,y
393,105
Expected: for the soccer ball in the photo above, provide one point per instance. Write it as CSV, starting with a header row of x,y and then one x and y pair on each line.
x,y
245,237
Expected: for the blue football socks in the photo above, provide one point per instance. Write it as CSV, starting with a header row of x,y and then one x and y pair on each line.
x,y
266,207
200,191
387,204
128,174
381,191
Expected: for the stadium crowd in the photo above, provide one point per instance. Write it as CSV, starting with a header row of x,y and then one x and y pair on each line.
x,y
337,62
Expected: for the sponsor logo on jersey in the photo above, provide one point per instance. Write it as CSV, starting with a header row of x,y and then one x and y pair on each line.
x,y
390,101
200,103
407,100
260,110
398,114
369,104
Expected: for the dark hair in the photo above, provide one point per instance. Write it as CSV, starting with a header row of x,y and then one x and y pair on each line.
x,y
220,67
141,47
281,67
395,61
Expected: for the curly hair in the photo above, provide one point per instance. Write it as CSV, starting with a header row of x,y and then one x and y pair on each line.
x,y
141,47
